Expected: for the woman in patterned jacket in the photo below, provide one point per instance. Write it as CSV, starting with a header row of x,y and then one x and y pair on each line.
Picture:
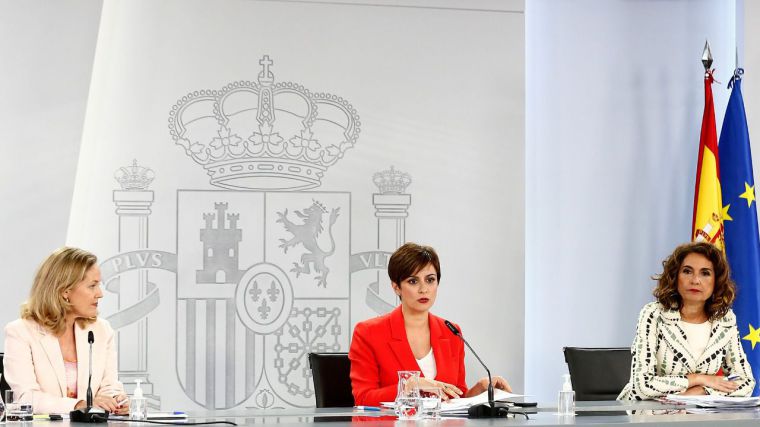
x,y
685,338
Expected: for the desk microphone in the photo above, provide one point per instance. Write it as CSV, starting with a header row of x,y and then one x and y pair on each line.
x,y
89,414
483,410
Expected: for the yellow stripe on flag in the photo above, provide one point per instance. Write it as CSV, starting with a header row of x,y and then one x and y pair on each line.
x,y
708,223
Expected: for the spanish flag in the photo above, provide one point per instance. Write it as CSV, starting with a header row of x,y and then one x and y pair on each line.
x,y
707,222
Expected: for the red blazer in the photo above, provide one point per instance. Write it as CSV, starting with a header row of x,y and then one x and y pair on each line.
x,y
380,348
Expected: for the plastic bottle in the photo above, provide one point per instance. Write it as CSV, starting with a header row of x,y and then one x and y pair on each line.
x,y
566,401
138,410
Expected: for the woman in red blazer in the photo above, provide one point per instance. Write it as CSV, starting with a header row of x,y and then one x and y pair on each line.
x,y
410,338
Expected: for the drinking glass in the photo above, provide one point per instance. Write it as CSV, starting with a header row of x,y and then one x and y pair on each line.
x,y
408,408
2,408
18,406
430,402
408,395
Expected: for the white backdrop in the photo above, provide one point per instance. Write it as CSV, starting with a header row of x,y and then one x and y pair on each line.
x,y
46,51
444,105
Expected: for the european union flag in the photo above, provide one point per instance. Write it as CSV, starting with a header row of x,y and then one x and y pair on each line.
x,y
740,221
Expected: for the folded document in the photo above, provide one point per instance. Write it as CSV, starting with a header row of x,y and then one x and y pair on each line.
x,y
715,401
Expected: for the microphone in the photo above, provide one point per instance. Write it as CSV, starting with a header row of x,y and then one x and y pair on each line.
x,y
90,340
483,410
89,414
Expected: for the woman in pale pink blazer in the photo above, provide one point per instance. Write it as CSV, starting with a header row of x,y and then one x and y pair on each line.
x,y
46,350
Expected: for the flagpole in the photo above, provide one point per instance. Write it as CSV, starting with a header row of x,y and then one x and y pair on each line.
x,y
707,58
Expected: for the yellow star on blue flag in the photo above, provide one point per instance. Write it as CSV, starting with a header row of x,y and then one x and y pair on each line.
x,y
749,194
753,336
724,213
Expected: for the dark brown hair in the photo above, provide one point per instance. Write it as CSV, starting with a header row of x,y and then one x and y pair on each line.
x,y
409,259
724,292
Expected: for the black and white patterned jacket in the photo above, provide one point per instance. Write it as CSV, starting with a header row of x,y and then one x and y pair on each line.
x,y
662,357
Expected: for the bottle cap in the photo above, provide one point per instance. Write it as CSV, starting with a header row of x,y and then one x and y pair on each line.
x,y
567,385
138,394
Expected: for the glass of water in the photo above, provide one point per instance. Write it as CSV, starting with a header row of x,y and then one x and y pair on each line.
x,y
18,406
430,402
2,408
408,408
408,395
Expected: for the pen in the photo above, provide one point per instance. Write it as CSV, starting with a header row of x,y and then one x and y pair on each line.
x,y
732,377
368,408
122,402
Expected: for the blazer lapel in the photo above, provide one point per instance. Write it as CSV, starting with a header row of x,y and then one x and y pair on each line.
x,y
399,343
52,348
718,334
441,348
83,360
676,338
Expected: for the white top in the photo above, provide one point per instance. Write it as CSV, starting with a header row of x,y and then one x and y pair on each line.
x,y
427,365
697,335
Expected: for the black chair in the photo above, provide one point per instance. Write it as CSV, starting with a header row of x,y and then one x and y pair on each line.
x,y
598,373
332,383
3,385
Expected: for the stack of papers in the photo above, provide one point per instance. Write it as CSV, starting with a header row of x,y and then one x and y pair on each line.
x,y
717,403
460,405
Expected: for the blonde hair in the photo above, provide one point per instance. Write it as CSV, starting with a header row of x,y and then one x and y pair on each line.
x,y
60,272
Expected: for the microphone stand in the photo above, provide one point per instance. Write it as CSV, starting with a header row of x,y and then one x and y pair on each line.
x,y
89,414
491,409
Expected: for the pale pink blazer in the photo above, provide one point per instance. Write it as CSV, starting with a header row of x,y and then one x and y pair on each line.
x,y
33,362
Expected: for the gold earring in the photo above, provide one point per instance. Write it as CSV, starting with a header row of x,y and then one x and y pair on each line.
x,y
66,299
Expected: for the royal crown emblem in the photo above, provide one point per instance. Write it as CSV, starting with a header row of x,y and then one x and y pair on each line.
x,y
391,181
264,135
134,177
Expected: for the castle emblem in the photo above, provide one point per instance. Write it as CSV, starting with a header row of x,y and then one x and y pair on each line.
x,y
220,247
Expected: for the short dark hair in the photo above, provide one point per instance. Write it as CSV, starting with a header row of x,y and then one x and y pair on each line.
x,y
409,259
724,291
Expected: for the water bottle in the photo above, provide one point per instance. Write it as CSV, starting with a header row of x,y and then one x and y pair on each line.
x,y
138,409
566,401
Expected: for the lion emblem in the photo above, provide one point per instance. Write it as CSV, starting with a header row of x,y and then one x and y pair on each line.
x,y
307,234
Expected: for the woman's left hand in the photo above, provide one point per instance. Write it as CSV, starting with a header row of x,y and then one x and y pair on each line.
x,y
482,385
123,408
500,383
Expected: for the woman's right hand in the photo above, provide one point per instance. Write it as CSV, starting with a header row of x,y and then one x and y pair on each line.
x,y
448,391
109,403
715,382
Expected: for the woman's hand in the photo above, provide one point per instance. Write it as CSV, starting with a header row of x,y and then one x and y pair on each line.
x,y
111,403
500,383
122,404
482,385
448,391
715,382
697,390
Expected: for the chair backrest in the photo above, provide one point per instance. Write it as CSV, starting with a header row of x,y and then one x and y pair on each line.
x,y
3,385
332,381
598,373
